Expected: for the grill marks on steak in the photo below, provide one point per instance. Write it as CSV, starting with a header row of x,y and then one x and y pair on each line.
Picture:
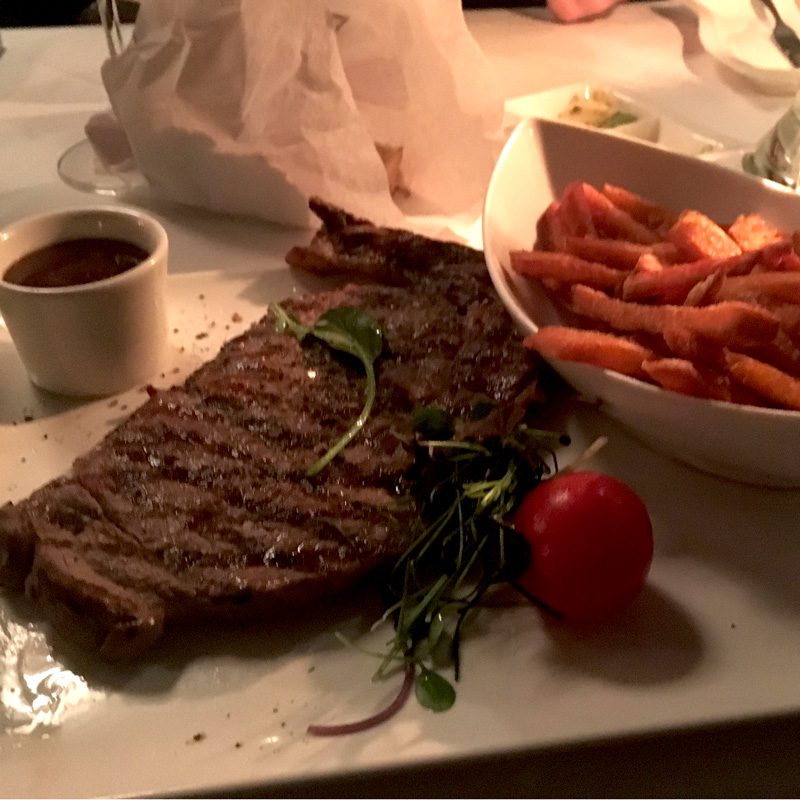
x,y
198,506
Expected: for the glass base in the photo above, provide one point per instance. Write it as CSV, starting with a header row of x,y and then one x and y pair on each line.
x,y
80,168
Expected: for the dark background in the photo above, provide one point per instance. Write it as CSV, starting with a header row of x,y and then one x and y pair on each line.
x,y
24,13
21,13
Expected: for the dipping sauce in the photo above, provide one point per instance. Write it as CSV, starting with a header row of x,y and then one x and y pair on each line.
x,y
75,262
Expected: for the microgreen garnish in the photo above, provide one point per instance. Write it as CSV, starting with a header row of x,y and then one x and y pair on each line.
x,y
433,691
350,330
383,715
618,118
433,423
467,491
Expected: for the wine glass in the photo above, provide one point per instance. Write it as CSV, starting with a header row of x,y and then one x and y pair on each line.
x,y
79,166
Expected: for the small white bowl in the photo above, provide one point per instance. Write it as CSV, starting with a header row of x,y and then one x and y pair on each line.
x,y
88,339
754,445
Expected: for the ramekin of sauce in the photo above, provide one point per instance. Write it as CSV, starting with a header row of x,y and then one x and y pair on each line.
x,y
82,293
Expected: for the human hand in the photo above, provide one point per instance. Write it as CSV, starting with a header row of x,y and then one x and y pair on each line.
x,y
573,10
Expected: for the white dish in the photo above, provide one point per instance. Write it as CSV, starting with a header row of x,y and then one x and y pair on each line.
x,y
541,157
650,125
739,34
55,328
714,638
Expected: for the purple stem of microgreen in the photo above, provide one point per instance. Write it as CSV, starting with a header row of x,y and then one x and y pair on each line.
x,y
347,728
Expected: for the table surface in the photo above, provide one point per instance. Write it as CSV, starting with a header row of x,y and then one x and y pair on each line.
x,y
50,84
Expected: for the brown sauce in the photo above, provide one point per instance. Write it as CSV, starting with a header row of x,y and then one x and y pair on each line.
x,y
75,262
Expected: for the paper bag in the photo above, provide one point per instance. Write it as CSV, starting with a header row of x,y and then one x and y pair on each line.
x,y
252,106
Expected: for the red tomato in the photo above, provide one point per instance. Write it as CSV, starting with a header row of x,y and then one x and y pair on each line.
x,y
591,545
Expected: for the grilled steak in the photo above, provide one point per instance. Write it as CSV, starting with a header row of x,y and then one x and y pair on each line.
x,y
198,506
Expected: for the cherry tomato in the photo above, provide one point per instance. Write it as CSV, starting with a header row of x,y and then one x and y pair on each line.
x,y
591,545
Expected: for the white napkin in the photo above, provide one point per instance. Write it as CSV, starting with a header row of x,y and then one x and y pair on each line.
x,y
251,106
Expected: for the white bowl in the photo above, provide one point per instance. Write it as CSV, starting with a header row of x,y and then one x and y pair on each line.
x,y
744,443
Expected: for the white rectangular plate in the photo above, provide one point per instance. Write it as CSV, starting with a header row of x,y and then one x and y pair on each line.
x,y
715,636
651,126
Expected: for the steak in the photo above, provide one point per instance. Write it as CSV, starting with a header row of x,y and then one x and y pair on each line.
x,y
199,507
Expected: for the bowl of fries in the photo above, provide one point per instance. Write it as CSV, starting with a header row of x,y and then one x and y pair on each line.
x,y
663,287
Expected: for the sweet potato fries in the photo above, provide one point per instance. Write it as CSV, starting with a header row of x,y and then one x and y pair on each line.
x,y
671,298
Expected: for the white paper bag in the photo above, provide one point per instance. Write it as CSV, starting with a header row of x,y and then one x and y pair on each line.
x,y
252,106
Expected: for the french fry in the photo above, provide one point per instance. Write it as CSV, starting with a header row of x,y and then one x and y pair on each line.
x,y
658,218
615,222
704,292
752,232
674,299
761,287
565,268
765,380
781,352
673,285
650,262
589,347
796,241
789,316
730,321
619,314
666,285
618,253
684,377
788,262
550,231
776,257
576,207
698,237
693,346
